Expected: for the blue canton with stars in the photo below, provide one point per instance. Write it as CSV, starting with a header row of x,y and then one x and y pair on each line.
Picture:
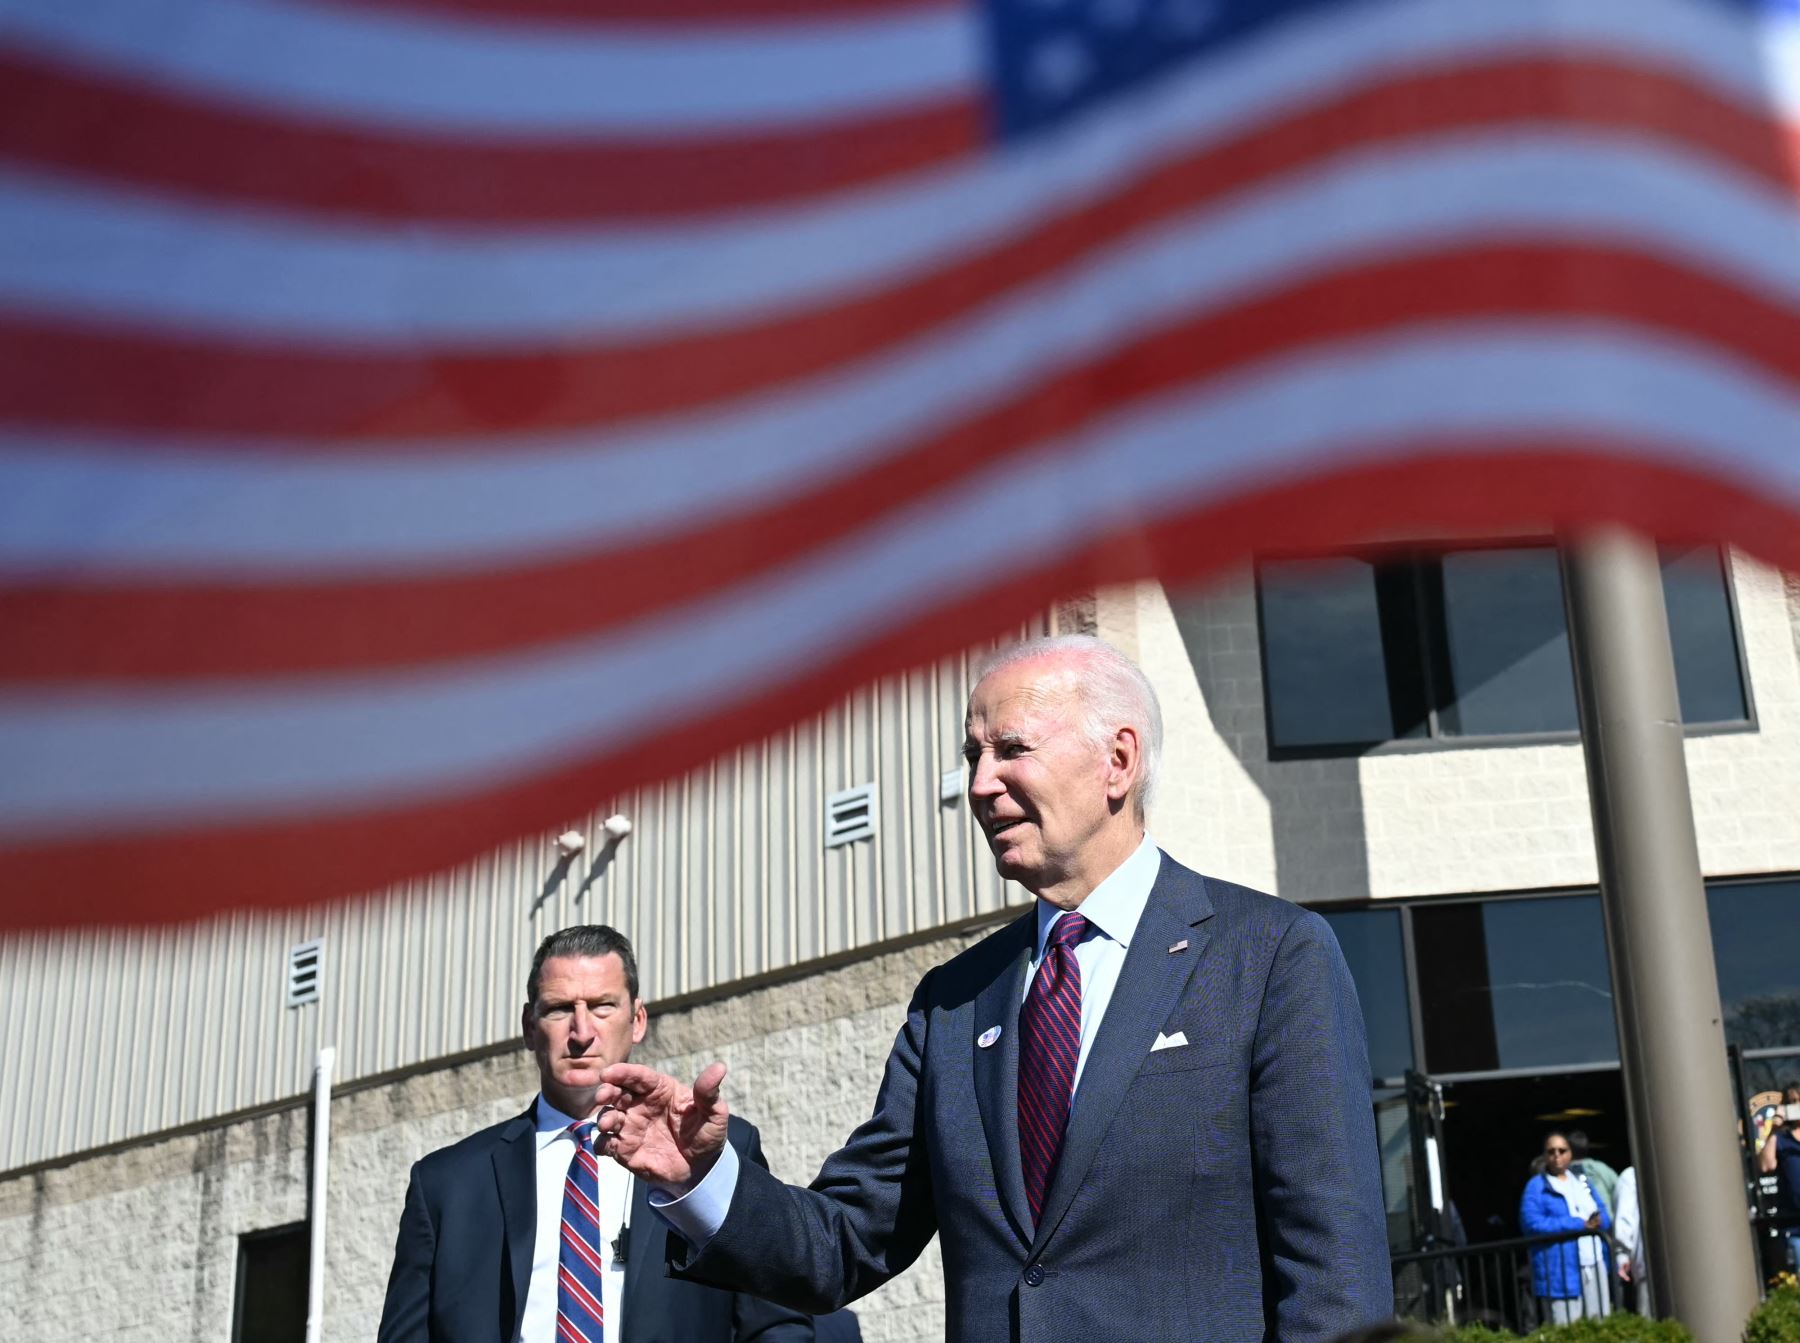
x,y
1053,58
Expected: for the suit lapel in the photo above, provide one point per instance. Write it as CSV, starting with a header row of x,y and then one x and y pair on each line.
x,y
515,1172
1150,984
644,1242
997,1069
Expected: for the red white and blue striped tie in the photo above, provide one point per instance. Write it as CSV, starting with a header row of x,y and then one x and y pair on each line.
x,y
580,1314
1049,1044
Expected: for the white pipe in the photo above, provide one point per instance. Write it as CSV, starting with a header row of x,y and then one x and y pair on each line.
x,y
321,1169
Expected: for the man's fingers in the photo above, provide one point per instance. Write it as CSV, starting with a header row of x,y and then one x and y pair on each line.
x,y
635,1080
706,1086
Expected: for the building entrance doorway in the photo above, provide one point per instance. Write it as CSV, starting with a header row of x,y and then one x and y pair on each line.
x,y
1494,1127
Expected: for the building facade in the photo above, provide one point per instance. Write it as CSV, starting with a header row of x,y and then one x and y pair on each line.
x,y
1387,736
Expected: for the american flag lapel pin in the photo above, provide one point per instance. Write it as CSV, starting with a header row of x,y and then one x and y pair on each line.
x,y
1179,946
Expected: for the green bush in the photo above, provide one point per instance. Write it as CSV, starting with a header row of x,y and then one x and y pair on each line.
x,y
1620,1327
1478,1334
1776,1320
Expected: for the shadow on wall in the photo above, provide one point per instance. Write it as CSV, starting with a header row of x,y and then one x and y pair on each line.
x,y
1315,806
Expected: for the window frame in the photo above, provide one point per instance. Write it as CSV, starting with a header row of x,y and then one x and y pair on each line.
x,y
1430,636
1407,904
301,1230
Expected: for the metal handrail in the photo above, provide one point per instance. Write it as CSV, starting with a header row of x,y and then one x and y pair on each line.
x,y
1496,1246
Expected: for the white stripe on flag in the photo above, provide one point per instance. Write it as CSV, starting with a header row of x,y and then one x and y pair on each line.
x,y
131,760
428,72
201,268
216,506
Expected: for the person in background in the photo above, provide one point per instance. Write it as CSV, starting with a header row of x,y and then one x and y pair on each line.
x,y
517,1234
1780,1157
1602,1178
1628,1243
1569,1278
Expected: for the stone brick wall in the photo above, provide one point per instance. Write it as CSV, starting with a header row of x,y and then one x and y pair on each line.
x,y
140,1243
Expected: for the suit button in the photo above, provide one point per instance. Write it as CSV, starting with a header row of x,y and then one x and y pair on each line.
x,y
1034,1276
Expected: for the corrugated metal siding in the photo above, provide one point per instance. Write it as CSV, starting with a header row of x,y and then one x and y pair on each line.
x,y
116,1033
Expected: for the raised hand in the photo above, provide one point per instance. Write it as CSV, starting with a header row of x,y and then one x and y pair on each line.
x,y
661,1131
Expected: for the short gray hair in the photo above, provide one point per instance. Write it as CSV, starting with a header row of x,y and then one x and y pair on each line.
x,y
1113,692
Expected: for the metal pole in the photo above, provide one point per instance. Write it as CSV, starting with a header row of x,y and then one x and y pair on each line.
x,y
1665,987
321,1170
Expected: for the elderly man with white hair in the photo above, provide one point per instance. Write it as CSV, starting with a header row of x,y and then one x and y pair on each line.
x,y
1138,1112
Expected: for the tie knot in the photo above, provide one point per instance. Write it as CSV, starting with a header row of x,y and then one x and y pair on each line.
x,y
1068,930
583,1131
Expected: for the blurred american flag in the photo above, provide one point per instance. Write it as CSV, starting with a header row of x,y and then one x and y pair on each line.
x,y
422,418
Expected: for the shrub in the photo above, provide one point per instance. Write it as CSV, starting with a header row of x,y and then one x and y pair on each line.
x,y
1479,1333
1620,1327
1776,1320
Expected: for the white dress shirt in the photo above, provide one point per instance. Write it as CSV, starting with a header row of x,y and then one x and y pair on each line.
x,y
555,1152
1113,907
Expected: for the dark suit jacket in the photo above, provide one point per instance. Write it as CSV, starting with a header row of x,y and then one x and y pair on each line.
x,y
463,1260
1228,1189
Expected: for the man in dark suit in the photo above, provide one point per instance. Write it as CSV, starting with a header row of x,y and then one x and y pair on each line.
x,y
1139,1112
511,1234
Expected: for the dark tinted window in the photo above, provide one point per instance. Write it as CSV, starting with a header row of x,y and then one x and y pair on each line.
x,y
1756,946
1707,671
1506,644
1514,984
1359,650
1372,948
271,1286
1322,627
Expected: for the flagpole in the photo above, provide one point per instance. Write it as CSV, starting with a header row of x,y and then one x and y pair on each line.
x,y
1665,988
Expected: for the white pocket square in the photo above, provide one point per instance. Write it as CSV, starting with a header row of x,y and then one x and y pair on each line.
x,y
1175,1041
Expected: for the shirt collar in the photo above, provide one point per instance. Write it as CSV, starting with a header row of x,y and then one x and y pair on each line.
x,y
552,1123
1116,904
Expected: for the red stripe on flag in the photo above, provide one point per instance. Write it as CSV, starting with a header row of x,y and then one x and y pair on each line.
x,y
138,629
1435,485
74,373
146,137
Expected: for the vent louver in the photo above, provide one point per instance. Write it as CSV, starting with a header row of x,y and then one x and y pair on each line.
x,y
850,815
305,966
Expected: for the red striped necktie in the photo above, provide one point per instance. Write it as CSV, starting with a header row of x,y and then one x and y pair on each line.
x,y
581,1270
1049,1044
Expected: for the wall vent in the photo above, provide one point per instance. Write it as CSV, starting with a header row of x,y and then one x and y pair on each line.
x,y
850,815
305,966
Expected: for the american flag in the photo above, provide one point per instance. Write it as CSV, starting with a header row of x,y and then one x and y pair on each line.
x,y
422,418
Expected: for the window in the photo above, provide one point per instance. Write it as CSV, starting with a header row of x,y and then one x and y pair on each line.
x,y
1372,948
1515,984
1471,643
1755,935
271,1286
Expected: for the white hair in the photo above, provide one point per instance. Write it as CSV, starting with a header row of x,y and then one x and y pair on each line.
x,y
1113,693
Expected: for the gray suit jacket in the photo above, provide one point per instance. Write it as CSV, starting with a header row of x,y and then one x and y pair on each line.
x,y
1224,1190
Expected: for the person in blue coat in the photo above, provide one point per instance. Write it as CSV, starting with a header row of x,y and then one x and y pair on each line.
x,y
1569,1278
